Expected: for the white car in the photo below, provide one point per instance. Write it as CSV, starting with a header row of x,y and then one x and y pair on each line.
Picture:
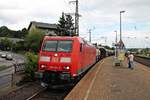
x,y
9,57
3,55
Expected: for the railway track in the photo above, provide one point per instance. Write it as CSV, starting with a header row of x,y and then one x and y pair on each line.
x,y
53,94
35,94
34,91
23,92
143,60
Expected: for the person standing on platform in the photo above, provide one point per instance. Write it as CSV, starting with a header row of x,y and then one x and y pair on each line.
x,y
130,60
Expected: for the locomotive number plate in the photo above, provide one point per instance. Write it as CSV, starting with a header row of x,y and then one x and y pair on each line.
x,y
55,59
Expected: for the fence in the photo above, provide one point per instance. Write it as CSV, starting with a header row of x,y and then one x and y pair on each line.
x,y
19,67
7,80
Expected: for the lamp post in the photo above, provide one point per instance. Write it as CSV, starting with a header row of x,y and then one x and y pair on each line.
x,y
116,44
121,25
116,36
90,35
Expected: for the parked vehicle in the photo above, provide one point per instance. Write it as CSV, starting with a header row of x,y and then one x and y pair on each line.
x,y
3,55
9,57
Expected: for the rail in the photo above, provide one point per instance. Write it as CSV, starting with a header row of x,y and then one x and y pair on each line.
x,y
143,60
36,94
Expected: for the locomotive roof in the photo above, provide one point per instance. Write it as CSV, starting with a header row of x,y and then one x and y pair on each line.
x,y
62,38
81,40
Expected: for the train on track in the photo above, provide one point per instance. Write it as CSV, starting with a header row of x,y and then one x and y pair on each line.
x,y
65,59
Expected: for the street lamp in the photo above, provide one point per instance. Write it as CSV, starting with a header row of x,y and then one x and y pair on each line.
x,y
90,35
116,44
120,25
116,36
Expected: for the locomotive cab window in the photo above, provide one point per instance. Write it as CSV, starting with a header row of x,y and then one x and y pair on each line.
x,y
64,46
57,46
49,46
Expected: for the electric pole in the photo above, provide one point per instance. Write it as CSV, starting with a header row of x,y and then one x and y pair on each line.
x,y
89,35
76,16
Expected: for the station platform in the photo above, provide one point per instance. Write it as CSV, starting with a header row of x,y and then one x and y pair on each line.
x,y
108,82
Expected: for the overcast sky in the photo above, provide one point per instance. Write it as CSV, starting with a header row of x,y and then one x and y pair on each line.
x,y
101,16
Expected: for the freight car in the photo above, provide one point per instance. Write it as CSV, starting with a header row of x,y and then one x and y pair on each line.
x,y
103,52
98,55
64,58
110,52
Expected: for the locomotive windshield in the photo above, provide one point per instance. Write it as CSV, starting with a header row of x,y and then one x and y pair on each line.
x,y
57,46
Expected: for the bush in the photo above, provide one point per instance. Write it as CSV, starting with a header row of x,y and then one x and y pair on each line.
x,y
34,40
31,64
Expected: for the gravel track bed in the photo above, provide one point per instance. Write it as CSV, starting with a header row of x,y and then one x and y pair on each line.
x,y
23,93
143,60
53,94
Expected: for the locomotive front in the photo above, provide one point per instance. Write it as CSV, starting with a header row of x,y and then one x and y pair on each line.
x,y
55,59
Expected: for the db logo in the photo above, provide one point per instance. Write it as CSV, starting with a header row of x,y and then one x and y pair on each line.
x,y
55,59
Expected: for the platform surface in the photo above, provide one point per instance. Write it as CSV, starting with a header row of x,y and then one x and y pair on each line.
x,y
108,82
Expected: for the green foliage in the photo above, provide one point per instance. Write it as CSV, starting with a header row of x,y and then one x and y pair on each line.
x,y
18,46
61,25
3,67
107,47
5,32
145,51
6,44
34,40
31,64
66,25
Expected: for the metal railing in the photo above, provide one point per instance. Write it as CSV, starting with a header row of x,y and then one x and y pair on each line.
x,y
20,67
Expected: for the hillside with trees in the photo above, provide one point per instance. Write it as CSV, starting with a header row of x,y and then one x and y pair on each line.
x,y
6,32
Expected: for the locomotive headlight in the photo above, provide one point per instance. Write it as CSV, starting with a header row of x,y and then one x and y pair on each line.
x,y
66,67
43,66
65,59
45,58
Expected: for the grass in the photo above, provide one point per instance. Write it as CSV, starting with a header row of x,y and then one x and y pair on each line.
x,y
144,56
3,67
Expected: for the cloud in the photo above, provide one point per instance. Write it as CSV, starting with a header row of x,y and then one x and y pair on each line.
x,y
24,11
101,14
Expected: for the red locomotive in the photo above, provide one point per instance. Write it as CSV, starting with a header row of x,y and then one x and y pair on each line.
x,y
65,58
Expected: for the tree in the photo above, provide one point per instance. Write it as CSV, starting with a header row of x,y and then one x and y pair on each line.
x,y
34,40
66,25
61,25
24,32
6,44
5,32
31,65
70,25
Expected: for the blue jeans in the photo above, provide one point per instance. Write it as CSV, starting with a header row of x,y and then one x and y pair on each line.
x,y
130,64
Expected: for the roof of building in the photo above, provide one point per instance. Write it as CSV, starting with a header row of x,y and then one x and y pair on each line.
x,y
43,25
121,44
